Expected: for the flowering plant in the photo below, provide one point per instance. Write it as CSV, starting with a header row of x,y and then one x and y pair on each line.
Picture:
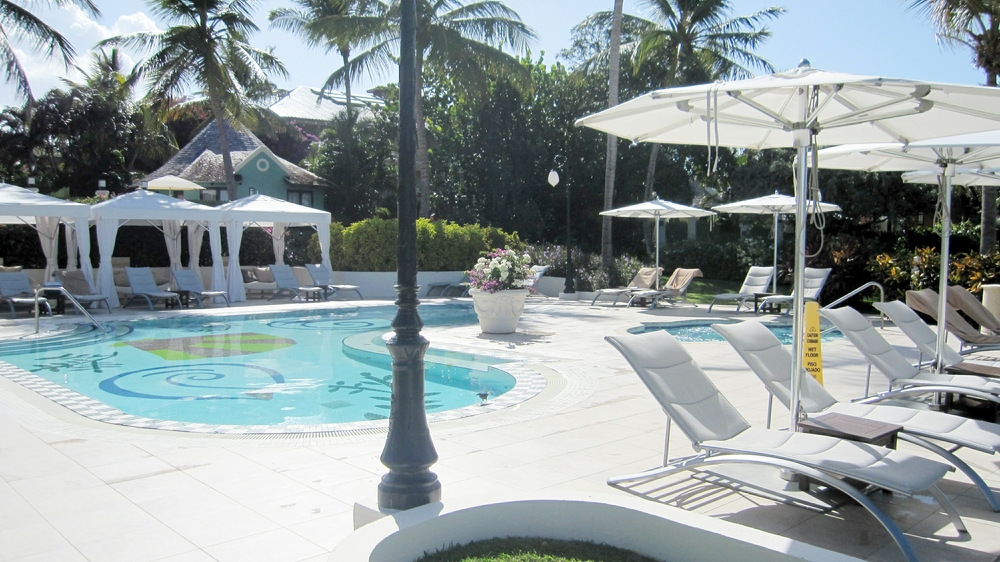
x,y
501,270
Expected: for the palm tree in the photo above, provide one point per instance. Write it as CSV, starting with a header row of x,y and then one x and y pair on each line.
x,y
334,25
206,46
611,157
698,41
462,41
19,22
974,24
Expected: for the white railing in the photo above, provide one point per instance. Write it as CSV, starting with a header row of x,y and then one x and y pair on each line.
x,y
73,300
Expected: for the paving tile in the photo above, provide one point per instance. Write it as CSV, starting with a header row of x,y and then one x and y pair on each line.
x,y
207,529
63,554
145,545
103,523
273,546
299,508
28,540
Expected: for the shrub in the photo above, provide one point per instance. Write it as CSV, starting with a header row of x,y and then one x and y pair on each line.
x,y
370,245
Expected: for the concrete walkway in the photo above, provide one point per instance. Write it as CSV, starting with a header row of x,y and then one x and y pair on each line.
x,y
74,489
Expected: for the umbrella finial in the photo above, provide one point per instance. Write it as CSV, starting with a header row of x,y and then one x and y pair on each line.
x,y
804,63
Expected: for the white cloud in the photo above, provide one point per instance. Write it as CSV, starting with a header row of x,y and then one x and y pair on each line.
x,y
133,23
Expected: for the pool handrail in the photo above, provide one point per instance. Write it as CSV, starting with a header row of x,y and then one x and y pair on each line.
x,y
72,299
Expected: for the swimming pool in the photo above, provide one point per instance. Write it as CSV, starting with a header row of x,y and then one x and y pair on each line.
x,y
693,331
271,369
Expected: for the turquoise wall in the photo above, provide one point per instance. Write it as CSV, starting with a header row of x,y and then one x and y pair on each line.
x,y
268,181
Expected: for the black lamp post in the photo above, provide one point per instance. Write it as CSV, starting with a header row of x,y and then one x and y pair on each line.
x,y
409,451
559,161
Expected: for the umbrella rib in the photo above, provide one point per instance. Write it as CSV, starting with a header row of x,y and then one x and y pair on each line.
x,y
785,123
968,111
876,122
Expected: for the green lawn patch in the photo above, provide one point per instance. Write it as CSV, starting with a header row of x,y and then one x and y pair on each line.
x,y
701,290
534,550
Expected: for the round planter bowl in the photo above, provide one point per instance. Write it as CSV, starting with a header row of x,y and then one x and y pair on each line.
x,y
499,312
649,528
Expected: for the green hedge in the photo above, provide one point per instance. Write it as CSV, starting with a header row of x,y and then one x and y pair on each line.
x,y
370,245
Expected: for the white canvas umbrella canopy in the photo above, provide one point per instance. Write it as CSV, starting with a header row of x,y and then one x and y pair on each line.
x,y
658,209
265,211
145,208
944,157
801,108
775,205
172,183
23,206
963,176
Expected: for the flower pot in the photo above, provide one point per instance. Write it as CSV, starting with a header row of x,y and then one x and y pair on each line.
x,y
499,312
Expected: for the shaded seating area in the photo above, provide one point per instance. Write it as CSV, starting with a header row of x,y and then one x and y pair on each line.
x,y
644,279
755,283
675,289
815,280
772,363
143,285
720,435
189,280
289,286
321,277
16,289
76,284
925,301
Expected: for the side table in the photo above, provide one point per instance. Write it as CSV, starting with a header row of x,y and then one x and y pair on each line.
x,y
60,298
855,429
757,298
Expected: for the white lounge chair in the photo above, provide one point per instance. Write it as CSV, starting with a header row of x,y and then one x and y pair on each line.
x,y
644,279
970,339
772,363
287,284
723,436
815,280
537,271
76,284
756,282
143,285
675,288
966,302
914,327
904,378
460,289
190,280
321,277
15,288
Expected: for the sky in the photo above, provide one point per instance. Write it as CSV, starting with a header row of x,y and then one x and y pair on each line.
x,y
873,37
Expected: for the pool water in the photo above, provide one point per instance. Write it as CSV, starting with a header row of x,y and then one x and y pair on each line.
x,y
701,331
276,368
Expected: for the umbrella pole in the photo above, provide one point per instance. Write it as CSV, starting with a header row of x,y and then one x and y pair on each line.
x,y
656,232
798,275
774,275
946,176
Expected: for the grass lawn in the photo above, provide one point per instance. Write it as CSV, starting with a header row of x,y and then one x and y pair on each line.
x,y
533,550
701,290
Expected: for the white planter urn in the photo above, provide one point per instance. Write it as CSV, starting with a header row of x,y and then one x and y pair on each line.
x,y
499,312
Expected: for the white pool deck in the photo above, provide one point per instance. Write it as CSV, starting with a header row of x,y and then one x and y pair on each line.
x,y
74,489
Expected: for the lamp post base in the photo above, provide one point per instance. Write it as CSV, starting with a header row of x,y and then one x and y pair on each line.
x,y
405,490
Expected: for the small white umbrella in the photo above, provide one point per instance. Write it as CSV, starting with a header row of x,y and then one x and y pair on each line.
x,y
939,160
172,183
658,209
776,204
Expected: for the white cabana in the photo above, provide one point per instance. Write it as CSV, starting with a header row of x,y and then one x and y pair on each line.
x,y
169,214
268,212
23,206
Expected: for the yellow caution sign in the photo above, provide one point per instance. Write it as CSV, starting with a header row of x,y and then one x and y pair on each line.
x,y
812,352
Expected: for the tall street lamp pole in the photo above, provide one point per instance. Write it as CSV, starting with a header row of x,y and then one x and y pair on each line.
x,y
409,451
559,161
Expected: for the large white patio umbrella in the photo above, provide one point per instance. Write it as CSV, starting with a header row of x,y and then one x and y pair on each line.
x,y
939,160
658,209
775,205
171,183
801,108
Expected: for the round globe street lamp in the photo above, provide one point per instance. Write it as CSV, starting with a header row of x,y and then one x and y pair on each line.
x,y
559,161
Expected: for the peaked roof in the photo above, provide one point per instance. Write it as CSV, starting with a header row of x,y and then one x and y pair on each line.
x,y
265,211
142,206
201,159
19,205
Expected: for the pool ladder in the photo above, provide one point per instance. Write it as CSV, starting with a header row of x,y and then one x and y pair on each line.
x,y
881,291
76,303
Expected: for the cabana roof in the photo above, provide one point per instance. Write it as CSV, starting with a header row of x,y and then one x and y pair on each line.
x,y
265,211
144,207
20,206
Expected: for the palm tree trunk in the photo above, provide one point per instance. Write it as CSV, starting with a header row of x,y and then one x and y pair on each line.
x,y
988,218
227,159
346,55
654,153
423,164
611,156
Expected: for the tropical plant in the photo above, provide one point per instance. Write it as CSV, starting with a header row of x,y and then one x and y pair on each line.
x,y
206,46
500,270
974,24
18,21
333,25
463,41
